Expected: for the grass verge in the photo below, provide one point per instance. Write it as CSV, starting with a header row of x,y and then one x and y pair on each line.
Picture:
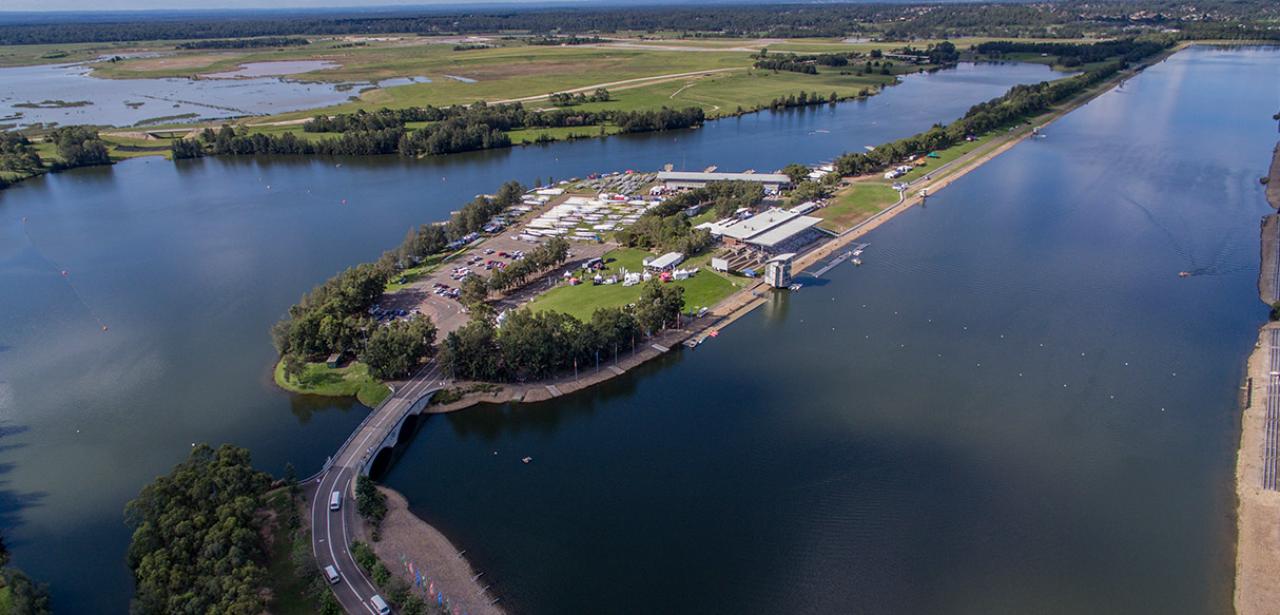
x,y
320,379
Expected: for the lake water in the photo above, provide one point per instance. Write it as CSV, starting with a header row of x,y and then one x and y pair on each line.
x,y
274,68
189,264
1015,406
125,102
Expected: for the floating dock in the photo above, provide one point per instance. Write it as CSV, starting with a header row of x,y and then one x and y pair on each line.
x,y
844,256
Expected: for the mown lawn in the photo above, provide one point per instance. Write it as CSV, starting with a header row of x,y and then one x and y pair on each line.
x,y
705,289
855,204
319,379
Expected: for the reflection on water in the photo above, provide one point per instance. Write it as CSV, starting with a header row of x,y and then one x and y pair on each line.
x,y
190,263
1014,406
124,102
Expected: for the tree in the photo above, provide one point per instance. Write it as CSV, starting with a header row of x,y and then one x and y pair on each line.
x,y
370,503
809,190
797,172
659,305
395,349
79,146
294,366
197,538
474,290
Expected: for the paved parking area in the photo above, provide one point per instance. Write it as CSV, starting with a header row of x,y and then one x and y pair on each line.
x,y
447,312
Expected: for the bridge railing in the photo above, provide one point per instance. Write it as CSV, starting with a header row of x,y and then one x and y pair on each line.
x,y
354,432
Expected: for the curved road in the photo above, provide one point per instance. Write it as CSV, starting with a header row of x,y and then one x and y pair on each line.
x,y
331,531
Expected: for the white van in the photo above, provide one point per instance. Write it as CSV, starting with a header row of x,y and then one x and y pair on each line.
x,y
335,500
331,573
380,605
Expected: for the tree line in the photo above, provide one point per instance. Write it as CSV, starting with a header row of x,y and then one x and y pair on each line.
x,y
334,316
244,43
1074,54
454,129
804,99
565,99
76,146
197,536
666,228
1068,19
1018,104
534,345
553,253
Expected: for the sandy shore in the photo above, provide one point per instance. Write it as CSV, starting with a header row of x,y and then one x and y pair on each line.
x,y
1258,510
406,538
1267,272
1273,179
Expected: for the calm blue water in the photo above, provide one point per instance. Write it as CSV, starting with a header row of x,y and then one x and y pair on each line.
x,y
1015,406
189,264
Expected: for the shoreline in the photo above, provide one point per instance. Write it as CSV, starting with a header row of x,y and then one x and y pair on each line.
x,y
1257,566
407,539
742,302
746,300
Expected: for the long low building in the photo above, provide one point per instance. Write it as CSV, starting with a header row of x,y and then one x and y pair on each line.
x,y
768,230
675,180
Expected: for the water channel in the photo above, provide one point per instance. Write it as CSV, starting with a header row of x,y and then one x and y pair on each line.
x,y
188,265
1015,406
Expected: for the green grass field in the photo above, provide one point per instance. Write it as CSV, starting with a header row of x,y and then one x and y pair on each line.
x,y
855,204
705,289
319,379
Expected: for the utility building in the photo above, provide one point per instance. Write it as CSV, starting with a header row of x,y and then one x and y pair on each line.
x,y
777,270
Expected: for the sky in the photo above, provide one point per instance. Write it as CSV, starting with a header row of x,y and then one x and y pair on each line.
x,y
135,5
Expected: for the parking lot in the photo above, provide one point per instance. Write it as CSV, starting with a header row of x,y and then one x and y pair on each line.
x,y
435,294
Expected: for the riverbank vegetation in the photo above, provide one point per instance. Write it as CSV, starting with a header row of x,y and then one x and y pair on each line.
x,y
448,130
1018,104
336,316
62,148
1068,19
197,543
351,380
19,595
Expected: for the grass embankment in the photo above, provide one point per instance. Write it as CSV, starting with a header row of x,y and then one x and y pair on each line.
x,y
290,593
705,289
854,204
320,379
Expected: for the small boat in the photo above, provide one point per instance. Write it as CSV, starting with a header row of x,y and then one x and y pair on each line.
x,y
527,459
857,262
1184,274
691,342
794,287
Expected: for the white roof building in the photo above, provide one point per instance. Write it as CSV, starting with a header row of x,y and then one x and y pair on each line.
x,y
689,179
766,229
664,262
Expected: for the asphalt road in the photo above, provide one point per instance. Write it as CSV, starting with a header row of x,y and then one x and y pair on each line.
x,y
332,531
